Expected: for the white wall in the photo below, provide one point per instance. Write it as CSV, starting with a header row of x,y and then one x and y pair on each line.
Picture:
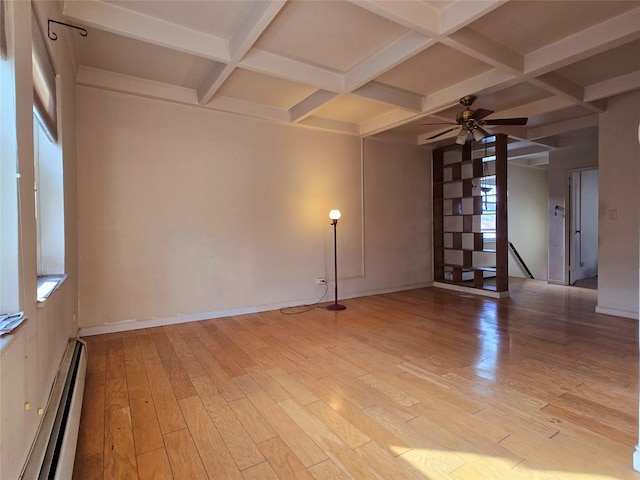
x,y
528,195
30,357
561,161
618,248
190,213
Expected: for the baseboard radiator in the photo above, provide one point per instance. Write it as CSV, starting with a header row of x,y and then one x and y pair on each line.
x,y
53,452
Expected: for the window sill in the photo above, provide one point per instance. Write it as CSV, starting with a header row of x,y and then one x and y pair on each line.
x,y
47,284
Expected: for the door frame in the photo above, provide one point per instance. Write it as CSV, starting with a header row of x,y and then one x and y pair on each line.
x,y
568,201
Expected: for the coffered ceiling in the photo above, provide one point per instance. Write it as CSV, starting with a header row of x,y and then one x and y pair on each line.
x,y
368,67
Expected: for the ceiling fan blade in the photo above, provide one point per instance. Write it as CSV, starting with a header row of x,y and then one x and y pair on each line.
x,y
439,134
438,123
462,136
506,121
486,132
481,113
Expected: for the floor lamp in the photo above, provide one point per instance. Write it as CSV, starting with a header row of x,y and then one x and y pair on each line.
x,y
335,215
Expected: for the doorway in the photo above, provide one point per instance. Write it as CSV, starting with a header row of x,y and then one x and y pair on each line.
x,y
583,227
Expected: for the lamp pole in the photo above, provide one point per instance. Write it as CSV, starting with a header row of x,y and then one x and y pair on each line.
x,y
335,215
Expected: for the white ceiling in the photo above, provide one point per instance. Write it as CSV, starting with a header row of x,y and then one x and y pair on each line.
x,y
369,67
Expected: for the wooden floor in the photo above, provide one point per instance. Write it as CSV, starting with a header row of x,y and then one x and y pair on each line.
x,y
423,384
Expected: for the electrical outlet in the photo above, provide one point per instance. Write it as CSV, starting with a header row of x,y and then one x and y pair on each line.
x,y
321,281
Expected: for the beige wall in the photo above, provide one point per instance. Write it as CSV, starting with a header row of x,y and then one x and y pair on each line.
x,y
619,154
398,233
187,213
528,196
29,358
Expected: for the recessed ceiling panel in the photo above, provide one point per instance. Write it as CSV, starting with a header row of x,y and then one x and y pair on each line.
x,y
217,18
610,64
352,109
432,70
526,26
126,56
263,89
335,35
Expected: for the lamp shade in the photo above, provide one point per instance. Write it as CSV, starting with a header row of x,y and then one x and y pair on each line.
x,y
335,214
477,135
462,136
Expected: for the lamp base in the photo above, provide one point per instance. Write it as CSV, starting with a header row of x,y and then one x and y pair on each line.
x,y
336,306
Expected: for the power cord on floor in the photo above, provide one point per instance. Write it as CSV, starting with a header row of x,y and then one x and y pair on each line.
x,y
307,307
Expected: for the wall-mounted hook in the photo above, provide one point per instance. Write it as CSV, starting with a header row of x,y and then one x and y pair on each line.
x,y
52,35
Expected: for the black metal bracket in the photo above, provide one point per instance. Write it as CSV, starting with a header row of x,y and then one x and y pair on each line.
x,y
52,35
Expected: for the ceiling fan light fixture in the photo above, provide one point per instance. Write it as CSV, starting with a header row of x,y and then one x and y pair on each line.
x,y
473,121
462,136
478,134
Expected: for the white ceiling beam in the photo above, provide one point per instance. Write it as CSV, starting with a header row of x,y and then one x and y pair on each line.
x,y
538,107
253,24
532,160
613,86
558,85
385,59
451,95
267,63
310,104
611,33
386,121
437,101
485,49
330,125
114,19
460,13
118,82
513,131
250,109
390,95
548,142
212,81
559,128
520,150
417,16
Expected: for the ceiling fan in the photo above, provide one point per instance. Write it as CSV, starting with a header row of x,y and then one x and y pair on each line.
x,y
472,122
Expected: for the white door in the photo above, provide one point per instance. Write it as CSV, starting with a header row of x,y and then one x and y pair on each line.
x,y
583,228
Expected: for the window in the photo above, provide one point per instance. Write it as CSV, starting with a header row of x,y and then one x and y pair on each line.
x,y
49,203
489,199
9,271
48,169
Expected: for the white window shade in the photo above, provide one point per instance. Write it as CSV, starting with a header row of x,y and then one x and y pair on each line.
x,y
44,82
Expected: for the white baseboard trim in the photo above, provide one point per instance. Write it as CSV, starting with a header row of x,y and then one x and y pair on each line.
x,y
617,312
196,317
471,290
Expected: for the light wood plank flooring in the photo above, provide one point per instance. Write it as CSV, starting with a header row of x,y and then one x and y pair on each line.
x,y
422,384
